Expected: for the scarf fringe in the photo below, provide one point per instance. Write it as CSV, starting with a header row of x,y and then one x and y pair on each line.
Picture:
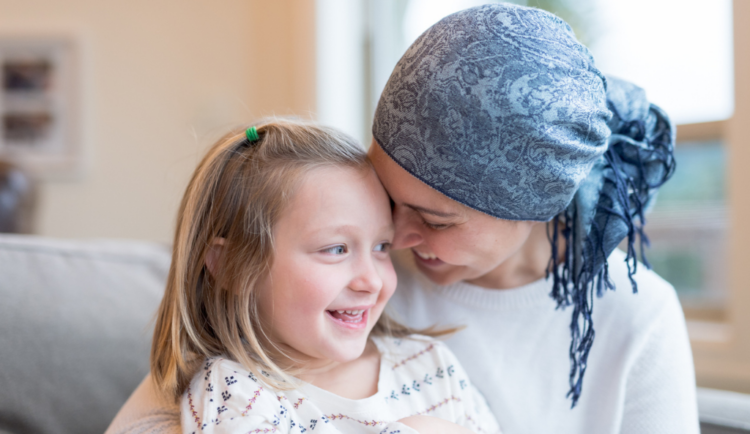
x,y
626,192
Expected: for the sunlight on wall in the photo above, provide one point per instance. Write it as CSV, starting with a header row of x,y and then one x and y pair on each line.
x,y
680,51
341,66
421,14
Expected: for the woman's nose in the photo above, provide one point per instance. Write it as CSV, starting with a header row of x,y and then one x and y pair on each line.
x,y
408,229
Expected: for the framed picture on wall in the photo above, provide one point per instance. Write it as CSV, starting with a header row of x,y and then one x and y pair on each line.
x,y
40,105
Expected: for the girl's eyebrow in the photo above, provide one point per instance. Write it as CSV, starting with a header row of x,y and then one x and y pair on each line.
x,y
350,229
432,211
338,229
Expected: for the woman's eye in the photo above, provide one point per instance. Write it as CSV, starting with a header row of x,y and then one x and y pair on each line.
x,y
335,250
383,247
435,226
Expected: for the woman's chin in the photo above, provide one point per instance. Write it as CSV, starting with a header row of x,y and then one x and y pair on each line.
x,y
441,274
442,278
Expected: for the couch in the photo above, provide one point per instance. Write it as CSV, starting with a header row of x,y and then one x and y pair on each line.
x,y
75,328
76,320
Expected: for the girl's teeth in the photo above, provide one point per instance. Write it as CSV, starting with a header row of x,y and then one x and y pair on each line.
x,y
350,316
350,312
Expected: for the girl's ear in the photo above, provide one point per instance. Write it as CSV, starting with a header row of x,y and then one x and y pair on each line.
x,y
214,255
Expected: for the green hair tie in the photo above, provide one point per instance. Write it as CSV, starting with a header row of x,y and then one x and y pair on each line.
x,y
251,134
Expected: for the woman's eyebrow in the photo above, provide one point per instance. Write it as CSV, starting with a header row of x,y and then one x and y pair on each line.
x,y
432,211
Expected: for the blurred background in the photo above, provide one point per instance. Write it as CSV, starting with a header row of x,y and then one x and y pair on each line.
x,y
108,106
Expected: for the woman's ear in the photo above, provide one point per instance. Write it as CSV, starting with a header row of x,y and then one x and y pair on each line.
x,y
213,257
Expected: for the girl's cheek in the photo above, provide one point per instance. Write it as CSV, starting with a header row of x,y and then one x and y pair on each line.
x,y
323,285
389,281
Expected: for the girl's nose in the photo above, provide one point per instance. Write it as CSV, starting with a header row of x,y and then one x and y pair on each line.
x,y
368,278
408,229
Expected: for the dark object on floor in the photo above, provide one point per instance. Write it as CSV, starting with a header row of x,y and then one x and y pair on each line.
x,y
16,199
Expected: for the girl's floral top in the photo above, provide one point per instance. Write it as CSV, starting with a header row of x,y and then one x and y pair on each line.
x,y
418,376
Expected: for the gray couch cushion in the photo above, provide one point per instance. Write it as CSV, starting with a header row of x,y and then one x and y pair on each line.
x,y
75,328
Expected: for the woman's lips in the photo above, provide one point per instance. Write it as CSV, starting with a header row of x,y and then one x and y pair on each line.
x,y
427,259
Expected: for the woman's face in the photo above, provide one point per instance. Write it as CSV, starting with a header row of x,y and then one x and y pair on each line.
x,y
450,242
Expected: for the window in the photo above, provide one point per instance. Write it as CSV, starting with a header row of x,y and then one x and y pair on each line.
x,y
689,74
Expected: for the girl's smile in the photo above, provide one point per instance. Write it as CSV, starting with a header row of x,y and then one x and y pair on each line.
x,y
355,318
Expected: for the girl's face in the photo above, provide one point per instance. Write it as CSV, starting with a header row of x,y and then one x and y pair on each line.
x,y
451,242
331,275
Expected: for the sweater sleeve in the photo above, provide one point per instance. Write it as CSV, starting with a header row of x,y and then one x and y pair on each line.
x,y
398,428
660,391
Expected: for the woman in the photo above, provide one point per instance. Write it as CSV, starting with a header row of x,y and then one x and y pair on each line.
x,y
508,157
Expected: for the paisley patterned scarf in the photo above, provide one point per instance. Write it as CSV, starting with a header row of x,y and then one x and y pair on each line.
x,y
500,108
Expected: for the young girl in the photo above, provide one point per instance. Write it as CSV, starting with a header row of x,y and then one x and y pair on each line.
x,y
272,319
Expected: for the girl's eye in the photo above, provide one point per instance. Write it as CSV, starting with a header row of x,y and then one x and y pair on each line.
x,y
383,247
335,250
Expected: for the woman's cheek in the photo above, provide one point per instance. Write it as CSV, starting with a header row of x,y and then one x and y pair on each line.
x,y
448,247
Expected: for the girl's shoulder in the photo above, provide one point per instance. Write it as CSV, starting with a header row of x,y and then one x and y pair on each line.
x,y
225,392
223,370
220,378
421,368
414,351
406,344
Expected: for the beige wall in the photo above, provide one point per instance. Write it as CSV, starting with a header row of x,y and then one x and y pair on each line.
x,y
162,78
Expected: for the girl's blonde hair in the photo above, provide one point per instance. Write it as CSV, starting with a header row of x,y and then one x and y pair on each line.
x,y
238,193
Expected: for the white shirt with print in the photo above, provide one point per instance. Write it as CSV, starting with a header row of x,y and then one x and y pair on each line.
x,y
418,376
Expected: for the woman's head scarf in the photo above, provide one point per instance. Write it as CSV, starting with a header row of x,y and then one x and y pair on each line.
x,y
500,108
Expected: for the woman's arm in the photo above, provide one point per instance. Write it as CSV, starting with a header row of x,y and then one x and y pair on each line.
x,y
660,395
146,412
472,415
433,425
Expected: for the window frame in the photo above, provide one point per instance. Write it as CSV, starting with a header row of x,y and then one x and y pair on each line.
x,y
721,349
